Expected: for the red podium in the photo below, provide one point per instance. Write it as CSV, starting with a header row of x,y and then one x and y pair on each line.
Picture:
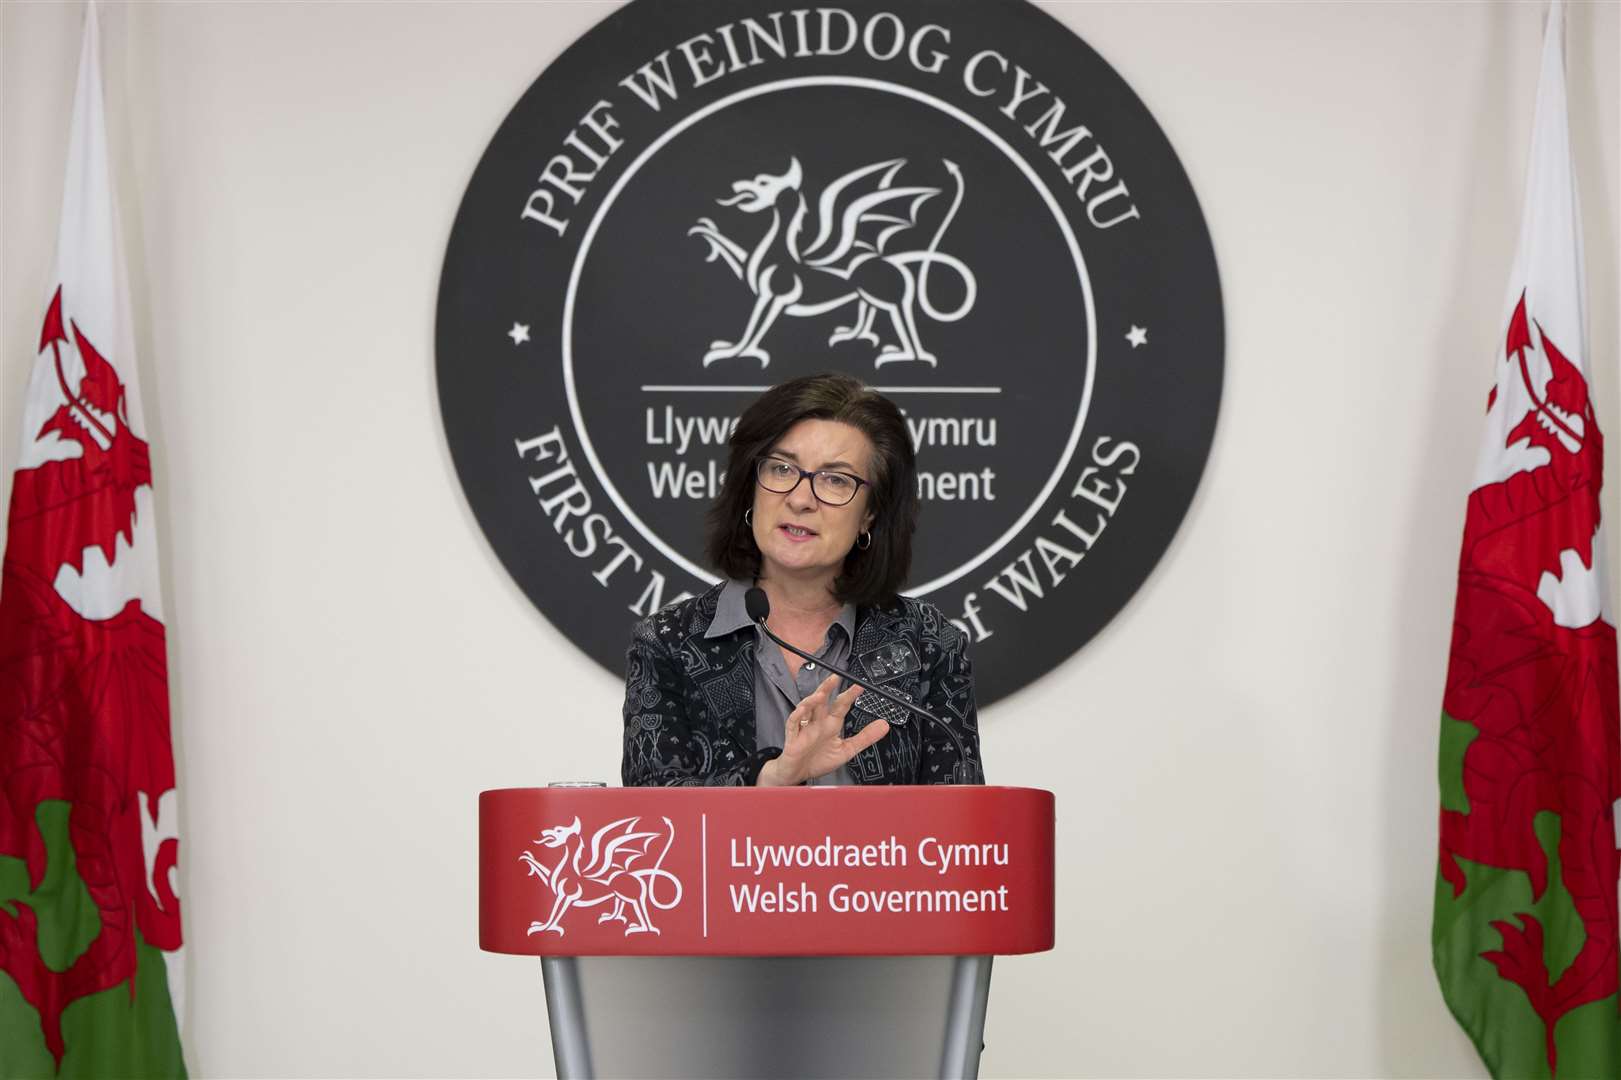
x,y
856,878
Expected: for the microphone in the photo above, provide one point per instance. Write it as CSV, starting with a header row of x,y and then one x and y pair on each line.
x,y
758,606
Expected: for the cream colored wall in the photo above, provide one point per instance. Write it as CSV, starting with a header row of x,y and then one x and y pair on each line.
x,y
1244,760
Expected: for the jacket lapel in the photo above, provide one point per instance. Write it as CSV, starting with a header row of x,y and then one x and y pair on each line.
x,y
884,655
720,672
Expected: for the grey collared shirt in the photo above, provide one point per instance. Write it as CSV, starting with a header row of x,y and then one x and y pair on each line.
x,y
776,690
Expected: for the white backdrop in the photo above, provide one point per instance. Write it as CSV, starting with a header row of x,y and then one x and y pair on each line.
x,y
1244,760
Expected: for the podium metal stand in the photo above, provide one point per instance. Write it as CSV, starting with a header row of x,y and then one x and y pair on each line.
x,y
767,1016
806,932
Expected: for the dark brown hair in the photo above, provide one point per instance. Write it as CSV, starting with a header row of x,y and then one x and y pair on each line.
x,y
873,575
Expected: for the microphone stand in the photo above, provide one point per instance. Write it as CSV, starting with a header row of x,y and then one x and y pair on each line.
x,y
962,753
863,683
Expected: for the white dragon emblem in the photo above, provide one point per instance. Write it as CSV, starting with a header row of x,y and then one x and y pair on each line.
x,y
587,875
803,267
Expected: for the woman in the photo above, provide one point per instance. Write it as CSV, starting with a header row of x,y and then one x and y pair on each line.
x,y
818,508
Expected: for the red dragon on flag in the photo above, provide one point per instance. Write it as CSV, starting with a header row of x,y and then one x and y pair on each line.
x,y
84,714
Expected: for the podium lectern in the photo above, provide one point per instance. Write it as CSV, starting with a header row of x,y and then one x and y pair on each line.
x,y
777,932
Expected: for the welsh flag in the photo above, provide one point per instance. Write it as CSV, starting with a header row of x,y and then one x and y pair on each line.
x,y
89,920
1525,903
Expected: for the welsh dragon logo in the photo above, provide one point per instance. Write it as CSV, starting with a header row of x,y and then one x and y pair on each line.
x,y
1534,673
604,870
84,714
844,254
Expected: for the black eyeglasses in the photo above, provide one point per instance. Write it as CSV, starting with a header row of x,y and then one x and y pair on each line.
x,y
832,488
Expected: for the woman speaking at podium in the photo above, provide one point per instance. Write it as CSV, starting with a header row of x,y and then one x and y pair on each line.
x,y
813,533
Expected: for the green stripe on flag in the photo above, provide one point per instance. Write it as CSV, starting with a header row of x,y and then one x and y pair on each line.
x,y
1494,1012
107,1033
1456,735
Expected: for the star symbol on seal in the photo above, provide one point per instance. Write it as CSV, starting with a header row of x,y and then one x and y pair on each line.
x,y
519,333
1137,336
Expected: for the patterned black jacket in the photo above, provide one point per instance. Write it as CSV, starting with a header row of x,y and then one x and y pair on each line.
x,y
689,701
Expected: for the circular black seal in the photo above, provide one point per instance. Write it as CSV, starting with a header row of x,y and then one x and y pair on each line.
x,y
961,204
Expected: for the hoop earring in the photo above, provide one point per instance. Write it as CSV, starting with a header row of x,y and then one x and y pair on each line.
x,y
748,517
867,536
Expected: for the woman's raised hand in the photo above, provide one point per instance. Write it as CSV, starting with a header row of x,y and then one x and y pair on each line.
x,y
812,741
